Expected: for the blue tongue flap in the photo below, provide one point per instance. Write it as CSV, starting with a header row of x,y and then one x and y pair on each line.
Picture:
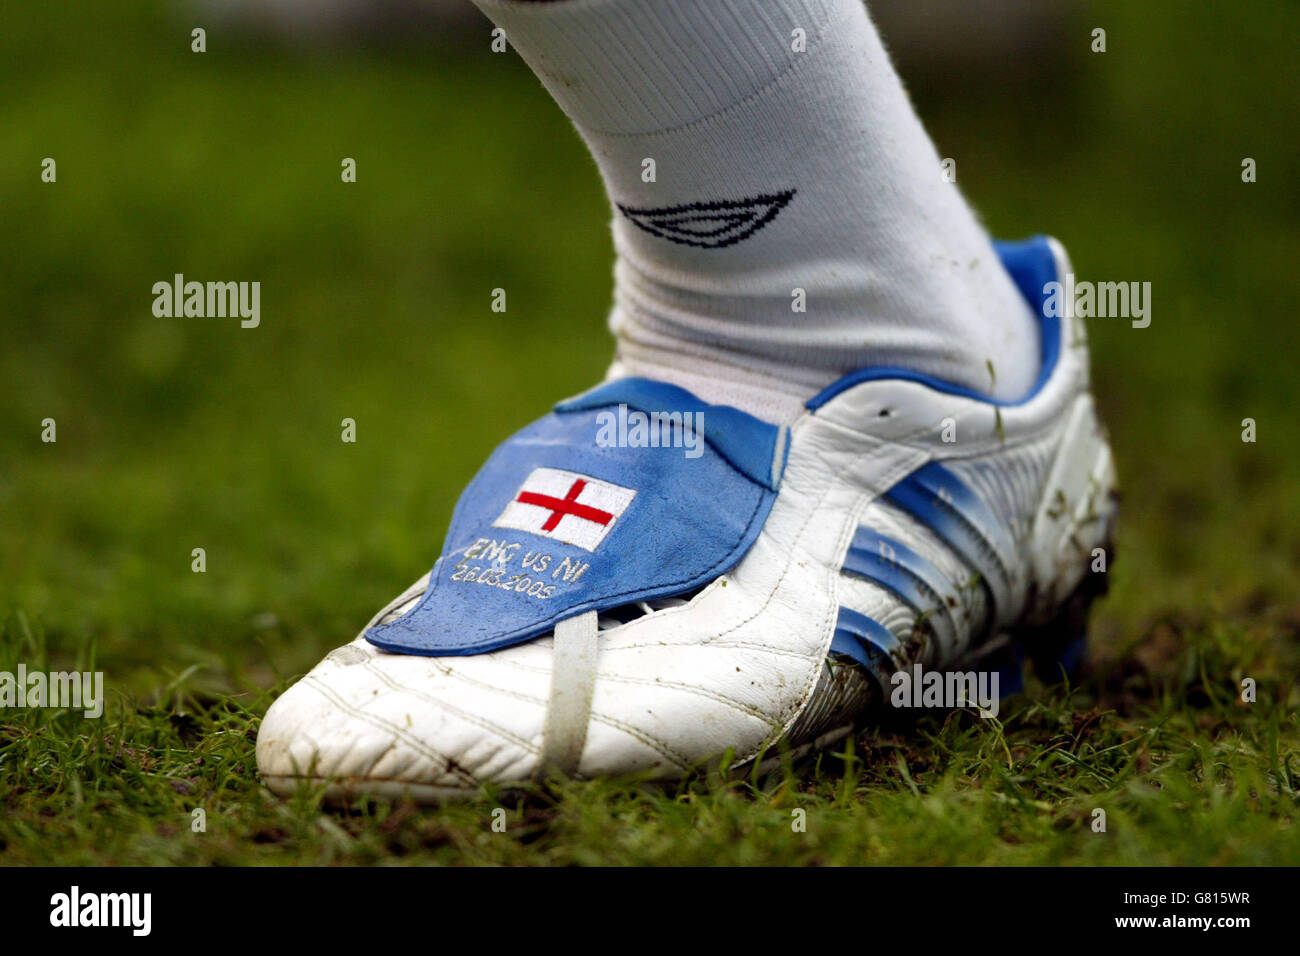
x,y
753,447
633,491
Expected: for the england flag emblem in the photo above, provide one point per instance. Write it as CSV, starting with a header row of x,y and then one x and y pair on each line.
x,y
572,508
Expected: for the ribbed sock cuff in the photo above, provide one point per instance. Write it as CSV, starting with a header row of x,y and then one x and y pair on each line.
x,y
639,66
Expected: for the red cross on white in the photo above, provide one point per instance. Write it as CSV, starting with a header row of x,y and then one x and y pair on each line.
x,y
572,508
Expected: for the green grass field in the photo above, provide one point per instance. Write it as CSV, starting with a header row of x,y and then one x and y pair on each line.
x,y
175,434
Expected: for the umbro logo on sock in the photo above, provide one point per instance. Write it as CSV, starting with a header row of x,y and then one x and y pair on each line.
x,y
710,225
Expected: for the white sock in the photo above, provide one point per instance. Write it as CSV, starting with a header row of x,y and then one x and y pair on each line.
x,y
821,151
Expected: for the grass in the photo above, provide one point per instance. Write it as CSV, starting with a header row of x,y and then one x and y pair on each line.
x,y
174,435
1185,772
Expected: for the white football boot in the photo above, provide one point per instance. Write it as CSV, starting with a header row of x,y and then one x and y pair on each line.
x,y
602,607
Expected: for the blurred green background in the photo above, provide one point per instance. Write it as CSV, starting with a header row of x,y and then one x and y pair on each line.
x,y
182,433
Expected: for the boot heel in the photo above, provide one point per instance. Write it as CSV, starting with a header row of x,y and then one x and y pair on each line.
x,y
1058,648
